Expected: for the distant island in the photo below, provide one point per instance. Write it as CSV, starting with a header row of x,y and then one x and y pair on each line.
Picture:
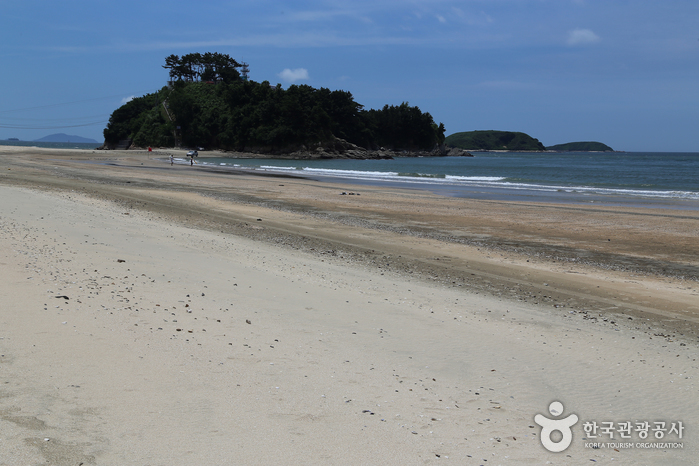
x,y
494,140
12,139
585,146
62,137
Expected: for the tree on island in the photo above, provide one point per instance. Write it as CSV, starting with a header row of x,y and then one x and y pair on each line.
x,y
211,67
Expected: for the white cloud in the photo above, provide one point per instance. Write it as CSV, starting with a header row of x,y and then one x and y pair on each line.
x,y
294,75
441,19
582,37
126,100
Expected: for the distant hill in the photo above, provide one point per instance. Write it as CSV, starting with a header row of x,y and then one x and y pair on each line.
x,y
494,140
585,146
62,137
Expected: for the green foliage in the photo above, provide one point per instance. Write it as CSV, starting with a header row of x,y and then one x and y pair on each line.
x,y
494,140
154,130
240,115
140,116
211,67
403,127
584,146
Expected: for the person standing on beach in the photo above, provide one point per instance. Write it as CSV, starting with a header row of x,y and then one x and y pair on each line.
x,y
172,160
191,161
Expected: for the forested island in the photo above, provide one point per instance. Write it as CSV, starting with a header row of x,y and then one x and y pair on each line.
x,y
208,103
492,140
583,146
516,142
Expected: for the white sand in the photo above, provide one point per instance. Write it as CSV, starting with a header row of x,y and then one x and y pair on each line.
x,y
338,365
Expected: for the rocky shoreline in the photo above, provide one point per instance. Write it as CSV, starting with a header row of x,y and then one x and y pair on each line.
x,y
364,154
334,149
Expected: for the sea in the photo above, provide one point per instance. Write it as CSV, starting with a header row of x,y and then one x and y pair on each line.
x,y
640,179
650,179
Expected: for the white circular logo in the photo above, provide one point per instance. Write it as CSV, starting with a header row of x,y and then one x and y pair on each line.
x,y
548,426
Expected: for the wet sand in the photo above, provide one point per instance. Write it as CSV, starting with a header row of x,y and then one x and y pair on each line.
x,y
386,327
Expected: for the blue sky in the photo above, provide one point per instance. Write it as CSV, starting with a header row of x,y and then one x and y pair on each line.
x,y
625,73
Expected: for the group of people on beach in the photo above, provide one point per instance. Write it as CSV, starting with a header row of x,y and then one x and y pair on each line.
x,y
172,160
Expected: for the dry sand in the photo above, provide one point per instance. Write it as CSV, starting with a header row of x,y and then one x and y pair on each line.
x,y
159,315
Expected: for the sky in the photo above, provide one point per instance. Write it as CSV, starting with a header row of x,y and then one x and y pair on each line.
x,y
622,72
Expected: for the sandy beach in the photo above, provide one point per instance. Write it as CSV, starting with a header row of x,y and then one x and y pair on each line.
x,y
174,315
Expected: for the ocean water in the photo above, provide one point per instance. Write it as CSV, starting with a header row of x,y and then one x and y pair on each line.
x,y
619,177
667,179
